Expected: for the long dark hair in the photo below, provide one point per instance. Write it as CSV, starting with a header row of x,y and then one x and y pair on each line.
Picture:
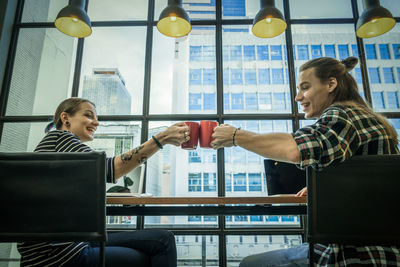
x,y
70,106
346,92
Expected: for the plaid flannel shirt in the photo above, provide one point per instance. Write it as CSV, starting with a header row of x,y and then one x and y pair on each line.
x,y
340,133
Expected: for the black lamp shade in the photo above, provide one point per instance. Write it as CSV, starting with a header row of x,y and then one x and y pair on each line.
x,y
73,20
174,21
269,21
374,21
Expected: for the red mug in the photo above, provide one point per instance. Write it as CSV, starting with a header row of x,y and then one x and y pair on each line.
x,y
194,136
206,130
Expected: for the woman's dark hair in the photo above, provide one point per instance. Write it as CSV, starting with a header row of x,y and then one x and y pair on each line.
x,y
70,106
346,92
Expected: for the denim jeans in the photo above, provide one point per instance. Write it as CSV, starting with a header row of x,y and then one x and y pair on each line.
x,y
291,257
153,248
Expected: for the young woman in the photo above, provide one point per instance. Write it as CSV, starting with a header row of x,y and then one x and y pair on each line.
x,y
76,122
345,126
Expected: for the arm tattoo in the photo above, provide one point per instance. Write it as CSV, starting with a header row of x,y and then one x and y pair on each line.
x,y
143,159
128,155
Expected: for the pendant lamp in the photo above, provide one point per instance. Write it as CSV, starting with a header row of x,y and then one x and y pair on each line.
x,y
174,21
374,21
73,20
269,21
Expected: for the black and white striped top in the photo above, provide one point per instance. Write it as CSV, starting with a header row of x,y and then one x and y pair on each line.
x,y
57,253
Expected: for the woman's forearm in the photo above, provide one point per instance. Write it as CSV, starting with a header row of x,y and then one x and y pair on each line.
x,y
277,146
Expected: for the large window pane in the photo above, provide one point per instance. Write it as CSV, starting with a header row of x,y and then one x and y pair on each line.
x,y
197,250
183,82
42,11
42,73
114,80
383,66
21,137
123,10
301,9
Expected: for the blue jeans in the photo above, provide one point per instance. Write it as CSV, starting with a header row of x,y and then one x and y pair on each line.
x,y
143,248
290,257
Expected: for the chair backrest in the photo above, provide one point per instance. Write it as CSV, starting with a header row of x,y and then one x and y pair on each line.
x,y
355,202
52,197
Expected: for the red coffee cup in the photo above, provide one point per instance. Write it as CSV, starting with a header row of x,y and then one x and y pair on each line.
x,y
206,130
194,136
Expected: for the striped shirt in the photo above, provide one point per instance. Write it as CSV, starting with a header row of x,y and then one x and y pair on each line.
x,y
57,253
340,133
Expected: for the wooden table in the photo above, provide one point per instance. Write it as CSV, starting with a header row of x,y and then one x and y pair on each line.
x,y
148,205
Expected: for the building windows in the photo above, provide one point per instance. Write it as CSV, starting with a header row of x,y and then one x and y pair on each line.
x,y
209,76
236,76
209,53
239,182
194,101
302,52
226,101
195,53
262,52
396,51
315,51
263,76
277,76
378,100
358,75
225,52
225,77
194,156
210,182
236,53
398,74
265,101
210,156
255,182
279,101
343,51
370,51
354,50
330,51
393,100
250,76
384,51
228,181
209,101
194,182
251,101
237,101
276,52
195,77
388,75
249,53
374,76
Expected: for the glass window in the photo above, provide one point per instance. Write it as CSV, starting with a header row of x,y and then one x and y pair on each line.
x,y
262,52
302,52
396,51
276,52
279,101
358,75
265,101
343,51
226,76
237,101
194,101
210,182
330,51
194,182
251,101
393,100
228,180
378,101
277,76
317,9
226,101
208,53
255,183
370,51
374,76
236,76
250,76
388,75
209,76
354,50
263,76
194,156
316,51
195,77
209,101
238,155
239,182
225,52
384,51
195,53
236,53
249,52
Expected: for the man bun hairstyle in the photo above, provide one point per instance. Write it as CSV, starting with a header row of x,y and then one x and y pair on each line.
x,y
349,63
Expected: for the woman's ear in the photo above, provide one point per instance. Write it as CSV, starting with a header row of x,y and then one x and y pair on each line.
x,y
332,84
64,117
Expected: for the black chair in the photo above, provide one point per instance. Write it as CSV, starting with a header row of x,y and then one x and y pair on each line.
x,y
53,197
355,202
